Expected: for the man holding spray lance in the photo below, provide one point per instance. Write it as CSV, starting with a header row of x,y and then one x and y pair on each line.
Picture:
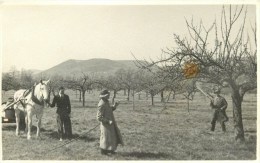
x,y
219,104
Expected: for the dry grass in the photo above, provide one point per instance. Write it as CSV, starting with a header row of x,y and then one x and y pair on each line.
x,y
149,133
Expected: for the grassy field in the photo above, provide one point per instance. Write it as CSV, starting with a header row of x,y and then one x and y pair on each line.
x,y
149,132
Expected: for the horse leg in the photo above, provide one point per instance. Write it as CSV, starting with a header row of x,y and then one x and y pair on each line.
x,y
17,118
26,122
29,119
39,119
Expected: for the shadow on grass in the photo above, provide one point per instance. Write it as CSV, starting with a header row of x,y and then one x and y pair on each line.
x,y
13,127
251,143
146,155
54,135
7,128
50,133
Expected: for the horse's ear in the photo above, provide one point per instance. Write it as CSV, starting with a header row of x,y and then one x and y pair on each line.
x,y
41,82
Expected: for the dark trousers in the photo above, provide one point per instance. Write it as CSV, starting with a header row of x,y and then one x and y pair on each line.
x,y
221,116
63,120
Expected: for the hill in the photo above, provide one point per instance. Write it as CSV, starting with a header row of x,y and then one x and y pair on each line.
x,y
34,71
76,67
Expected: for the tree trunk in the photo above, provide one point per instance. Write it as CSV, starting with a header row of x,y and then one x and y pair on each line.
x,y
114,96
188,102
76,94
173,95
133,100
152,99
80,96
162,100
128,94
237,115
83,97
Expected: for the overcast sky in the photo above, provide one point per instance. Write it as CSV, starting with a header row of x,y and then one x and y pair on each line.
x,y
40,37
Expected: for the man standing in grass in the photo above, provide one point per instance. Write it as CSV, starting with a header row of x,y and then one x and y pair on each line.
x,y
62,101
110,134
219,104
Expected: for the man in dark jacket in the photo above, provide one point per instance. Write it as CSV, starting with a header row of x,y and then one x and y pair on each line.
x,y
219,104
62,102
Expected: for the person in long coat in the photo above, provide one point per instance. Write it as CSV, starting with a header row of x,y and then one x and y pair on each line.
x,y
219,104
110,135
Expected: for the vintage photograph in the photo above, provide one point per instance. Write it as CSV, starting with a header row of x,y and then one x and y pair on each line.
x,y
128,81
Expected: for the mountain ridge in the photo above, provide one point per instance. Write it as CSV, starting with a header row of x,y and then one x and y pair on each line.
x,y
94,65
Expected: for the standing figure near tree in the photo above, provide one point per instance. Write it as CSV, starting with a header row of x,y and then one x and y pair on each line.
x,y
219,104
110,135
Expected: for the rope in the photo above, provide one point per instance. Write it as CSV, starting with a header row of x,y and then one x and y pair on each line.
x,y
70,140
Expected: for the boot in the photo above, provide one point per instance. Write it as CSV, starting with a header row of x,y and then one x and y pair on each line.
x,y
103,151
223,126
213,126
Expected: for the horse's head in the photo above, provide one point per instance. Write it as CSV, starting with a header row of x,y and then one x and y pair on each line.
x,y
42,90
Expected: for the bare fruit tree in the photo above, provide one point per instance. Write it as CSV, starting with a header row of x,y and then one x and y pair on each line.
x,y
82,83
111,82
153,84
228,58
127,79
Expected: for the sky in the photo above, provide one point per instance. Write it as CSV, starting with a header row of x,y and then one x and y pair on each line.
x,y
42,36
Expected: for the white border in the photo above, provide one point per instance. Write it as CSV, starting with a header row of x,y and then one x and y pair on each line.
x,y
126,2
140,2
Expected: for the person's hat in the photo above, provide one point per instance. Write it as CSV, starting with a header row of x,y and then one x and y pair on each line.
x,y
60,88
104,93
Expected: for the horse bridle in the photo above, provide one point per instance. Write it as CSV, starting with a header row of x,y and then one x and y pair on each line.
x,y
42,97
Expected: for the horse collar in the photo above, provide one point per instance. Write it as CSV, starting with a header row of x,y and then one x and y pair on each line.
x,y
35,100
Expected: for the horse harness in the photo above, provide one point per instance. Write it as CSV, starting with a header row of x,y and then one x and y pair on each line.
x,y
34,99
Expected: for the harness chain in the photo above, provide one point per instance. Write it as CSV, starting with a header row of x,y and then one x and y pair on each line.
x,y
70,140
26,92
34,99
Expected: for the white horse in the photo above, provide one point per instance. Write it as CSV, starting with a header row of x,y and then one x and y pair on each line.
x,y
31,104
